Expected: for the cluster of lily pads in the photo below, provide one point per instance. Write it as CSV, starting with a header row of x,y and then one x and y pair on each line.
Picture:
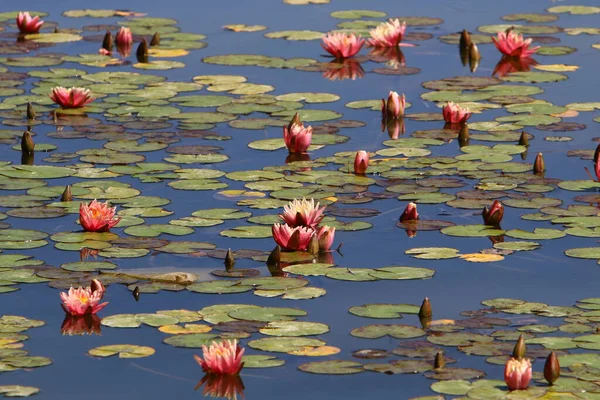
x,y
136,113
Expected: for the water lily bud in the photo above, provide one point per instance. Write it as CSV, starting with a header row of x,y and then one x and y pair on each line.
x,y
142,51
229,260
361,162
520,348
425,310
275,256
27,145
474,52
313,245
524,139
30,111
410,213
463,135
465,39
439,361
56,30
295,121
464,55
67,195
136,293
155,41
551,368
493,215
517,373
538,165
107,42
425,322
97,286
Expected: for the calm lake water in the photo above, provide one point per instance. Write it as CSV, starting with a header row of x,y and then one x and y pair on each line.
x,y
544,275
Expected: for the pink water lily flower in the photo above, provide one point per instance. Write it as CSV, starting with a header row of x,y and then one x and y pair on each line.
x,y
223,357
292,239
302,213
517,373
341,45
124,37
361,162
27,24
454,114
74,97
394,107
297,137
513,45
326,235
84,300
388,34
97,217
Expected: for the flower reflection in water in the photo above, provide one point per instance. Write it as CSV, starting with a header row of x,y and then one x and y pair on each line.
x,y
221,386
508,65
81,325
339,70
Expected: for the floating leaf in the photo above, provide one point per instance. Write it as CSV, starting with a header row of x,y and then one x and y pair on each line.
x,y
123,350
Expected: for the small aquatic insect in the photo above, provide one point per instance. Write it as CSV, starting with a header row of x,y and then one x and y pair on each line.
x,y
223,358
361,162
517,373
28,24
341,45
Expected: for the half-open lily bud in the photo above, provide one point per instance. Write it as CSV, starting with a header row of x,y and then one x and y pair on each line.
x,y
551,368
410,213
67,195
524,139
326,236
597,154
313,245
229,260
520,348
30,111
439,361
394,107
97,286
107,42
493,215
361,162
142,51
517,373
463,135
465,39
538,165
155,41
27,145
425,310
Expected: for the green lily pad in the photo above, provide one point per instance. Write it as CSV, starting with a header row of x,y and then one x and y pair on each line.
x,y
123,350
383,310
